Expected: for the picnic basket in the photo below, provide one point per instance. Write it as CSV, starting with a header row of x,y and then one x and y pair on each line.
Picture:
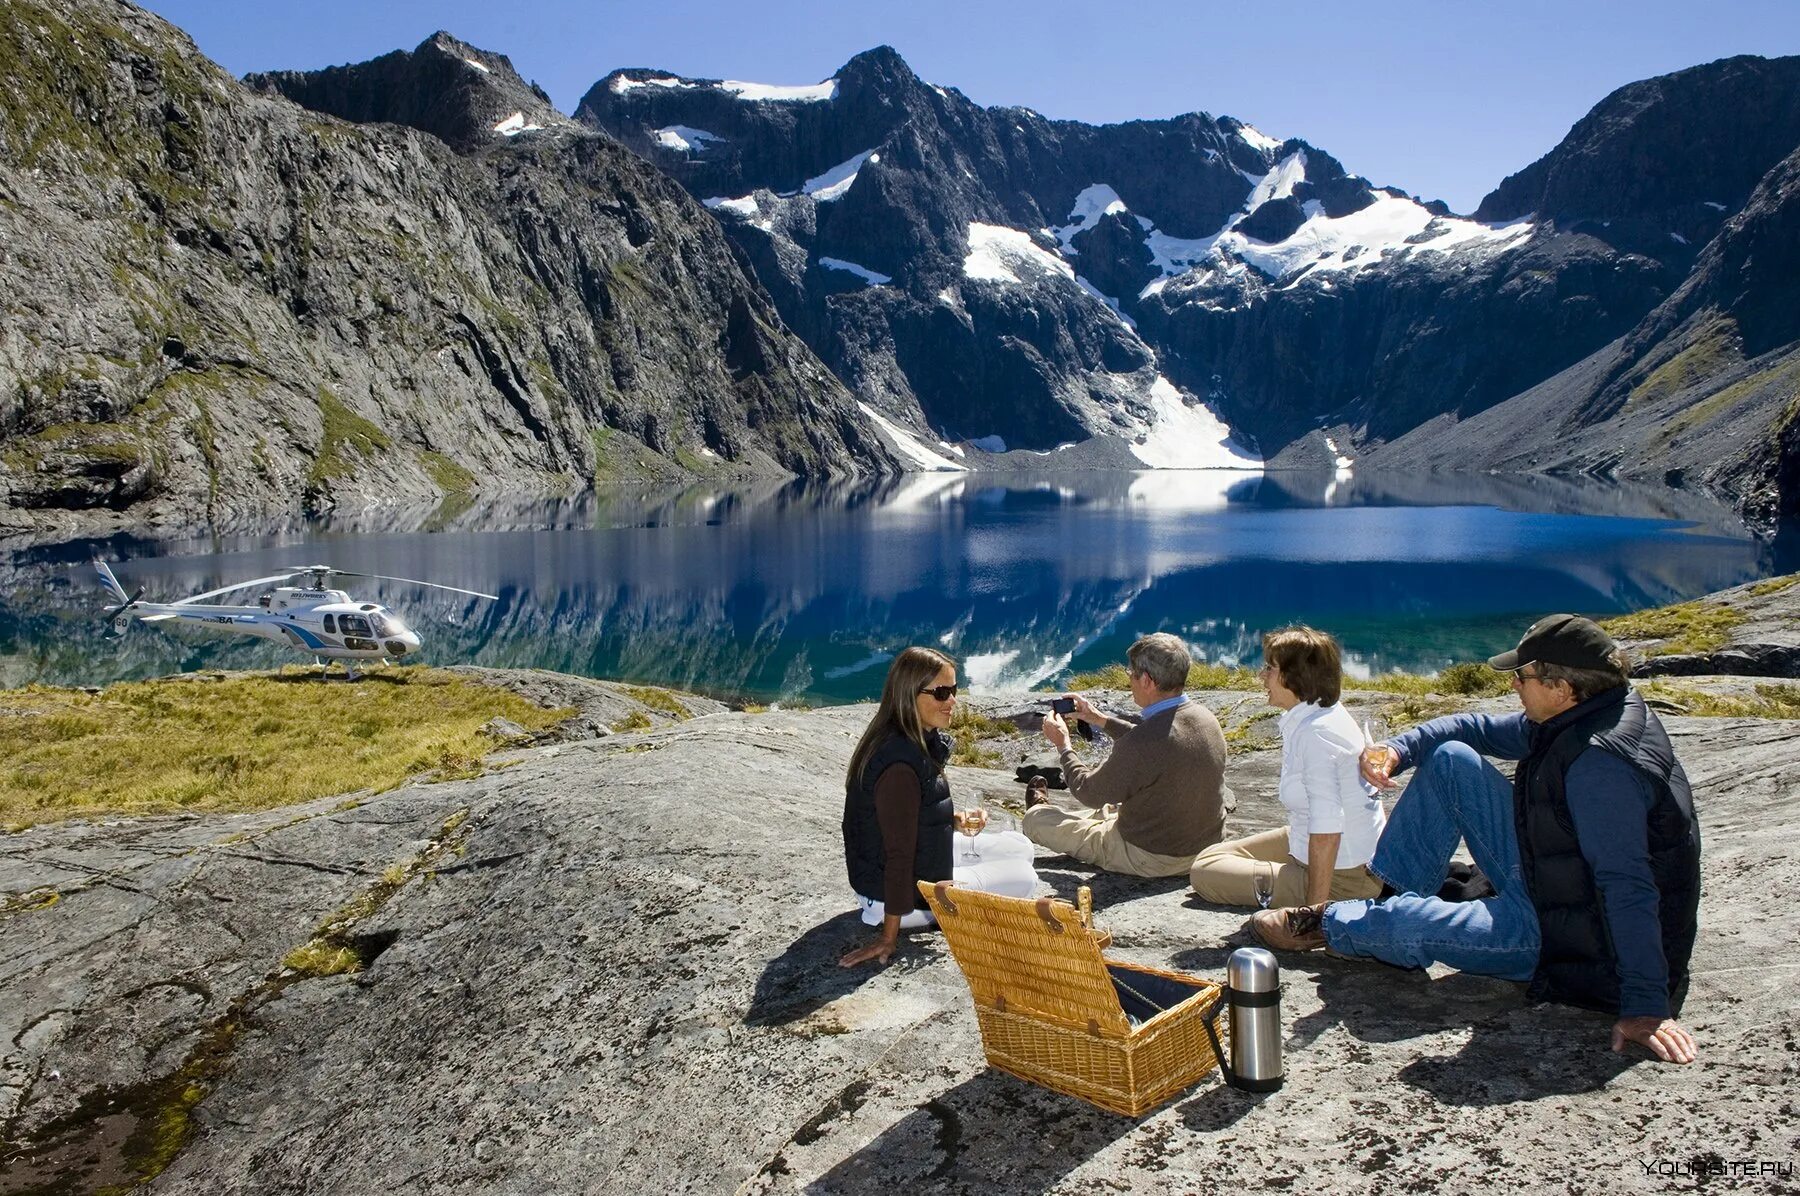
x,y
1053,1010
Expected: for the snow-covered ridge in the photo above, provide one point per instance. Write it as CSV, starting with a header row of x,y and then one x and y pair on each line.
x,y
681,137
834,182
863,272
810,93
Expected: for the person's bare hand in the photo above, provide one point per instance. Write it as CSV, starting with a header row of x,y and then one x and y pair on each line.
x,y
1084,710
1056,731
1377,763
881,950
1664,1037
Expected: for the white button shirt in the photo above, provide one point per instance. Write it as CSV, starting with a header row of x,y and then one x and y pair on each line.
x,y
1322,787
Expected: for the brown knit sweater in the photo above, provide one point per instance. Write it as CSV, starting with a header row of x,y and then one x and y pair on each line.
x,y
1166,775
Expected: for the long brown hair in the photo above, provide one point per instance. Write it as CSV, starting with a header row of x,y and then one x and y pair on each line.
x,y
898,713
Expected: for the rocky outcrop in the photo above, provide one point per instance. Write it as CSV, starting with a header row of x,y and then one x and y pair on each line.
x,y
601,969
466,97
223,306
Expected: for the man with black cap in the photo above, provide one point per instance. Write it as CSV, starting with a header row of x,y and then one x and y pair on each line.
x,y
1593,848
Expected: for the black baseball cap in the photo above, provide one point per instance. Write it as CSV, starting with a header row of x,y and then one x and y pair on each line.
x,y
1568,640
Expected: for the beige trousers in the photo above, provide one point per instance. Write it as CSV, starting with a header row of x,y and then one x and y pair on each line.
x,y
1225,873
1092,836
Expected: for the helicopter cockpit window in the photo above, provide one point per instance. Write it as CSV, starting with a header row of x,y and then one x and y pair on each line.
x,y
384,625
331,624
354,625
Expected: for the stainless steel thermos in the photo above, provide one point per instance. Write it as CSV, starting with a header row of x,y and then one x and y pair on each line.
x,y
1253,991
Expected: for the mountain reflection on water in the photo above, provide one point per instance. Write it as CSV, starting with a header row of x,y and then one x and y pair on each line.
x,y
806,590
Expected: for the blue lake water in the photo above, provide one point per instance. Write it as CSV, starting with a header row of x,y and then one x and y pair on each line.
x,y
805,591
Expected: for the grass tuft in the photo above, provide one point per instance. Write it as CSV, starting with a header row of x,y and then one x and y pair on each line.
x,y
1771,701
967,727
250,742
637,720
1683,629
659,699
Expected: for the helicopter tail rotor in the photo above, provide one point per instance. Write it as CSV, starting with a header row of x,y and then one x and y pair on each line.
x,y
114,614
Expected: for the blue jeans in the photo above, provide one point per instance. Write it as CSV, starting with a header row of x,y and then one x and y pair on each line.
x,y
1454,795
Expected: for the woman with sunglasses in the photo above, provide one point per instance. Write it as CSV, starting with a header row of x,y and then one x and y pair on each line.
x,y
1334,816
899,823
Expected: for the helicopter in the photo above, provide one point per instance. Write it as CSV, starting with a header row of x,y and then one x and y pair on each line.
x,y
326,623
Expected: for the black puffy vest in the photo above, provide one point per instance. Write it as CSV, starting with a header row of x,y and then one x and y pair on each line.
x,y
1577,964
863,854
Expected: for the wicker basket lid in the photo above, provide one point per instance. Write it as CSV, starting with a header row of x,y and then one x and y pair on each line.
x,y
1028,956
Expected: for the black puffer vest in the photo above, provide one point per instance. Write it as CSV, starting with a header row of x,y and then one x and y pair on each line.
x,y
1576,964
863,854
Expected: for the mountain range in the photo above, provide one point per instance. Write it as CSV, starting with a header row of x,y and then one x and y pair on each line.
x,y
414,276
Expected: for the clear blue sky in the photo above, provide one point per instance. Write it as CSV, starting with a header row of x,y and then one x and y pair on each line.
x,y
1441,97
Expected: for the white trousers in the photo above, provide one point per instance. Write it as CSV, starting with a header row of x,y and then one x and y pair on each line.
x,y
1002,865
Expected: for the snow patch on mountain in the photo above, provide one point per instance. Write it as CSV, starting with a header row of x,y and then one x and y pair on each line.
x,y
681,137
910,447
1256,138
480,66
1279,183
863,272
623,83
1095,201
515,124
989,444
834,182
1181,436
1361,239
812,94
997,253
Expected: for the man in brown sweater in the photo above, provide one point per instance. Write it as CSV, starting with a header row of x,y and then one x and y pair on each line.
x,y
1160,797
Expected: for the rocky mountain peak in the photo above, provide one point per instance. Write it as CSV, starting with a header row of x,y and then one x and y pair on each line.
x,y
467,97
1663,161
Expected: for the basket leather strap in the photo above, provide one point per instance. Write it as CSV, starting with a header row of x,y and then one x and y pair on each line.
x,y
1046,912
942,889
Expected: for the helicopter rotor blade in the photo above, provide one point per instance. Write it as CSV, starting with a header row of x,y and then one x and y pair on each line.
x,y
416,582
242,585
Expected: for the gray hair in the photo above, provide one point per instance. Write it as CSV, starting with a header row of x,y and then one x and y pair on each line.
x,y
1587,682
1163,658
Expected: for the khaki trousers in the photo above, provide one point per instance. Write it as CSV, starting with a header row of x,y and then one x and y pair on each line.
x,y
1225,873
1092,836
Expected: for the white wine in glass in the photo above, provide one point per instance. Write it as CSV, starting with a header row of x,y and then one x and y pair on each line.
x,y
974,820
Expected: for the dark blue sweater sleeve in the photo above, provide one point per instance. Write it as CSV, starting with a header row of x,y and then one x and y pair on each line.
x,y
1502,736
1610,805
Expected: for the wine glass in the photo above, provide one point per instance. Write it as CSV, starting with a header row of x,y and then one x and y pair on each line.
x,y
974,820
1264,882
1375,729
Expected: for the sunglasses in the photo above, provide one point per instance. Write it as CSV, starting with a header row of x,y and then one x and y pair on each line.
x,y
942,693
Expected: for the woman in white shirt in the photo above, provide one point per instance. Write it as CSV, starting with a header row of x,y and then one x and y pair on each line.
x,y
1334,816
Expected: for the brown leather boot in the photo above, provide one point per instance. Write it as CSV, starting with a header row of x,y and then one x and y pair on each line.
x,y
1298,929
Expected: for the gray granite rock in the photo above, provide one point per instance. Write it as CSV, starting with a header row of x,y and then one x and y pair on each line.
x,y
609,966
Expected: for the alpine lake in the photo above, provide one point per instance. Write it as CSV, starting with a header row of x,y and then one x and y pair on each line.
x,y
802,592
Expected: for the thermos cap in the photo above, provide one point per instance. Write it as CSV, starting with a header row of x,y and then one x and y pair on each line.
x,y
1253,970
